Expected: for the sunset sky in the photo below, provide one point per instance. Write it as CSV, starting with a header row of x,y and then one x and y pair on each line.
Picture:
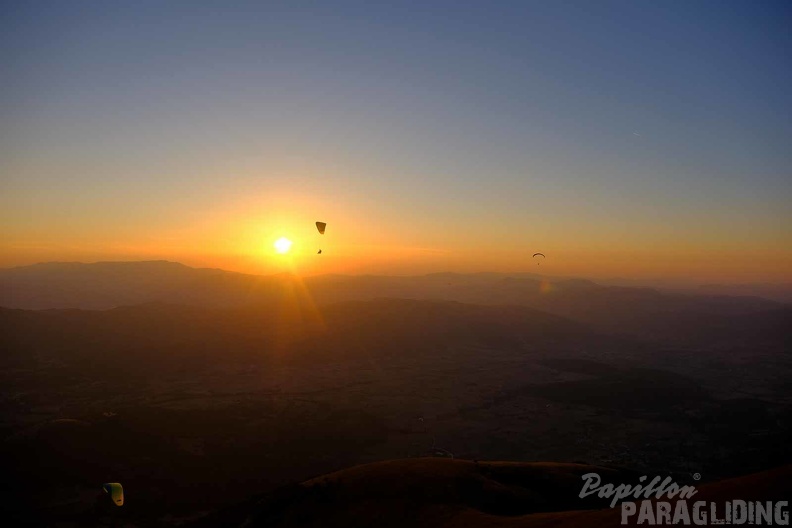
x,y
622,139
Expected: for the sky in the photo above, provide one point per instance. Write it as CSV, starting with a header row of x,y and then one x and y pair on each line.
x,y
622,139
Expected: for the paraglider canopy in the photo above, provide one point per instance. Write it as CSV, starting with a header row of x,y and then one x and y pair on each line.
x,y
540,254
320,226
116,492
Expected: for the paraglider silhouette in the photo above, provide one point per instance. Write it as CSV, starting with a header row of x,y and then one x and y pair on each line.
x,y
539,255
320,226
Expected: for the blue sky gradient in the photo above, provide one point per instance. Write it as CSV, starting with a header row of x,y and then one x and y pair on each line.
x,y
604,126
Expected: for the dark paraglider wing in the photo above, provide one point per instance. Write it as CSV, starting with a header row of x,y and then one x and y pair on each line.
x,y
320,226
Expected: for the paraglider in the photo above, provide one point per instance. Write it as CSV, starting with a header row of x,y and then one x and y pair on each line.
x,y
539,255
320,226
116,492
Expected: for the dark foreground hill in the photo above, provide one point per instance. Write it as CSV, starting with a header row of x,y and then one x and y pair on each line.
x,y
433,492
459,493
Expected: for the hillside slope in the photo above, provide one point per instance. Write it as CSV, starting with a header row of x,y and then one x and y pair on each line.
x,y
459,493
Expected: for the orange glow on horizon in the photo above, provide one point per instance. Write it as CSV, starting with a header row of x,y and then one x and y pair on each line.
x,y
362,239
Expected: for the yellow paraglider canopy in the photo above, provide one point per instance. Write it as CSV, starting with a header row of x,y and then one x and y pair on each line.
x,y
116,492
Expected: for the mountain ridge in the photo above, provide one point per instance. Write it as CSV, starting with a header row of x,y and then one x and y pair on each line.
x,y
645,312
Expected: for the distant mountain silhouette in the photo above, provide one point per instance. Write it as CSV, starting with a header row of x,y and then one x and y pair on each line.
x,y
643,312
777,292
104,285
154,335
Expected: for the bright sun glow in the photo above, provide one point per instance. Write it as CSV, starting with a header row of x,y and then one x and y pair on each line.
x,y
282,245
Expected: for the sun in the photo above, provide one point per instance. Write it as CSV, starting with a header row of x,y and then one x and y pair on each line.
x,y
282,245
